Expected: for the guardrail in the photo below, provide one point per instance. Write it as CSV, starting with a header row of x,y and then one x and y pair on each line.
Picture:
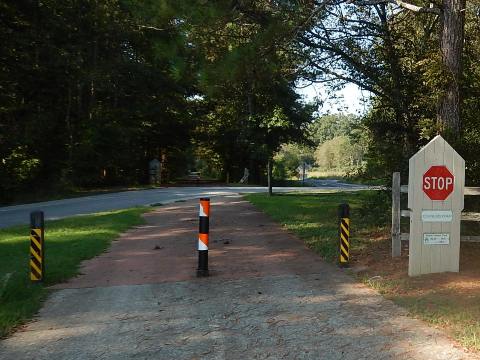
x,y
398,213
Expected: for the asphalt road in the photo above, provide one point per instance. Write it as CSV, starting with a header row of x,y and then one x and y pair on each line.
x,y
19,214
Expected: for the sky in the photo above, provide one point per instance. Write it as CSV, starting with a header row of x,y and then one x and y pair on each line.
x,y
348,101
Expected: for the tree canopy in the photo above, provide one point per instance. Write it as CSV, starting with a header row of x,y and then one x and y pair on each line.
x,y
91,91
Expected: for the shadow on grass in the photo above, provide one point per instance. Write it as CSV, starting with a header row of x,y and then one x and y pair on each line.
x,y
313,217
67,243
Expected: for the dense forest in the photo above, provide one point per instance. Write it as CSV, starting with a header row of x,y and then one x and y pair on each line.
x,y
92,90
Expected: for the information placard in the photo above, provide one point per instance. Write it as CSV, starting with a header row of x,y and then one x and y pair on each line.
x,y
436,239
437,215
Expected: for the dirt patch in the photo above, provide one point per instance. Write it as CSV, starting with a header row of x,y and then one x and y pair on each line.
x,y
244,242
447,300
376,260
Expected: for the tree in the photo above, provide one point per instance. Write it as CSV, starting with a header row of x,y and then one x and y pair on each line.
x,y
452,28
382,48
327,127
247,82
340,153
289,158
451,45
91,90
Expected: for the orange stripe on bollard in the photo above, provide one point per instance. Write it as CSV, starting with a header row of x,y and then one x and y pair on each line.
x,y
203,230
202,241
204,207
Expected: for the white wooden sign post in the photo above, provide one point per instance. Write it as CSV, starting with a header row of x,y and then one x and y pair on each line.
x,y
435,199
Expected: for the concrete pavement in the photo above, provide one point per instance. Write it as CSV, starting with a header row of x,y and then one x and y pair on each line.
x,y
269,297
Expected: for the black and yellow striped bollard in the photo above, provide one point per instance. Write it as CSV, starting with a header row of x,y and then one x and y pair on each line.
x,y
204,215
344,231
37,246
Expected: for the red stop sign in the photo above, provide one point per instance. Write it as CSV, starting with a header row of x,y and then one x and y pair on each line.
x,y
438,182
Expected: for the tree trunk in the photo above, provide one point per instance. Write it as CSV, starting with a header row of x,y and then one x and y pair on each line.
x,y
92,79
400,101
304,173
68,121
451,46
269,177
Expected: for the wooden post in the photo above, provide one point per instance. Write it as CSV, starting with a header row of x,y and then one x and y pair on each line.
x,y
396,212
303,174
269,177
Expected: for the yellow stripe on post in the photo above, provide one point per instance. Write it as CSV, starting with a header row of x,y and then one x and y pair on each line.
x,y
344,235
36,232
36,242
35,267
37,247
36,256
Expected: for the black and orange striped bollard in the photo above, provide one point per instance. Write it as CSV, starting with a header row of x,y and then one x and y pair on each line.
x,y
344,232
37,246
204,214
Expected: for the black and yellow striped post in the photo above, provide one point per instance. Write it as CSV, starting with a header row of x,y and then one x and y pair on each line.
x,y
204,215
344,231
37,246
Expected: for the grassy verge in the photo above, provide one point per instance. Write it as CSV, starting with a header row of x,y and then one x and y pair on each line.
x,y
343,177
313,217
449,300
322,174
68,242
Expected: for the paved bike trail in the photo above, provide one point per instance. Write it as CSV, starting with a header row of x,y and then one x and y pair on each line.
x,y
268,297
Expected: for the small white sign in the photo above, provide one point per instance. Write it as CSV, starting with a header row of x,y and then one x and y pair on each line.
x,y
437,215
436,239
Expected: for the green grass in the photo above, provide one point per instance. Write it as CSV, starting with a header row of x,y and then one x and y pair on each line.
x,y
67,243
316,173
460,313
313,217
343,176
